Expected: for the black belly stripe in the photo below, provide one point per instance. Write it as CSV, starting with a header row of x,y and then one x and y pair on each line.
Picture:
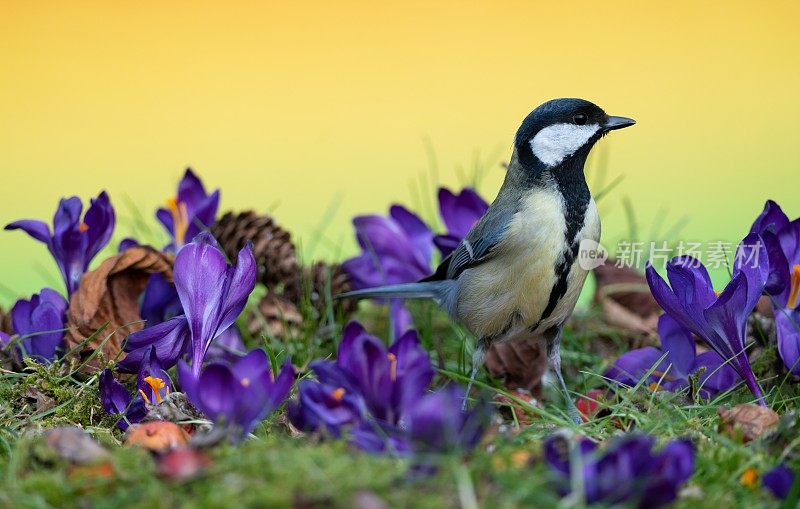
x,y
572,185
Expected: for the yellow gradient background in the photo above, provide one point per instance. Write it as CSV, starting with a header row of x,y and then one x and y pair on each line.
x,y
306,107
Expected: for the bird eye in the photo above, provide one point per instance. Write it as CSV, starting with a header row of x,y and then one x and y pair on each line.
x,y
580,119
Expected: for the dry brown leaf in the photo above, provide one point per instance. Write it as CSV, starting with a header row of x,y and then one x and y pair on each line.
x,y
43,401
521,362
748,420
110,294
74,445
515,412
156,436
625,299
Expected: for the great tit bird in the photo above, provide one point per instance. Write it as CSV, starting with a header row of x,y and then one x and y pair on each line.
x,y
516,273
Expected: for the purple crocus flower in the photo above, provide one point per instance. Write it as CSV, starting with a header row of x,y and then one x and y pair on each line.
x,y
395,249
459,212
238,395
152,385
40,322
721,321
782,239
366,382
680,362
190,211
627,471
779,481
74,242
160,300
438,424
212,294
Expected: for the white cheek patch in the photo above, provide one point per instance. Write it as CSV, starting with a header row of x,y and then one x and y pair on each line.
x,y
553,143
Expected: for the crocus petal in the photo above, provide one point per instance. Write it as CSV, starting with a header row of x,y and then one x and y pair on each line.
x,y
252,365
164,216
417,231
36,229
631,366
204,215
718,376
227,347
788,328
240,283
401,318
100,220
127,243
678,343
282,386
200,278
160,300
113,395
191,191
728,319
779,481
460,212
171,340
446,244
188,381
772,218
215,388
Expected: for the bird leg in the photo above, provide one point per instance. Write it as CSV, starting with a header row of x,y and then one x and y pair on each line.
x,y
554,362
478,358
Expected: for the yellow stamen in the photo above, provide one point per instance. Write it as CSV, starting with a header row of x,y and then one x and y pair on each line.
x,y
83,227
749,477
794,288
144,396
156,384
180,219
338,394
392,366
245,382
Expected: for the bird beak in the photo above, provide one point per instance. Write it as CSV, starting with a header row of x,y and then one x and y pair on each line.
x,y
618,123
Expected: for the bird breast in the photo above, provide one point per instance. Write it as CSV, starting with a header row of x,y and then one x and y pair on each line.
x,y
511,290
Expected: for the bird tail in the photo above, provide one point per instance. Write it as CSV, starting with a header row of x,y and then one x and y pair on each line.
x,y
426,290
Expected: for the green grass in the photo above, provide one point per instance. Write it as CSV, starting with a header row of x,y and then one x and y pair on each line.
x,y
277,469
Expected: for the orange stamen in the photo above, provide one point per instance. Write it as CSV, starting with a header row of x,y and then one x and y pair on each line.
x,y
156,384
794,288
180,219
749,477
245,382
655,387
83,227
338,394
392,366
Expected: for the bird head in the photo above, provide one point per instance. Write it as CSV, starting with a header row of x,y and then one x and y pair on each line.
x,y
563,129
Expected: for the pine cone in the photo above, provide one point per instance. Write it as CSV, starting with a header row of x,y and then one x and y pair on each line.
x,y
274,252
320,280
277,315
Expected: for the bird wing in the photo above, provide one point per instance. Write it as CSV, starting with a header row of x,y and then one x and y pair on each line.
x,y
478,246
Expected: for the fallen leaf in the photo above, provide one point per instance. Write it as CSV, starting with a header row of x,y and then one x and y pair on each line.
x,y
512,410
625,299
43,401
747,420
74,445
156,436
110,294
589,404
521,363
182,463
